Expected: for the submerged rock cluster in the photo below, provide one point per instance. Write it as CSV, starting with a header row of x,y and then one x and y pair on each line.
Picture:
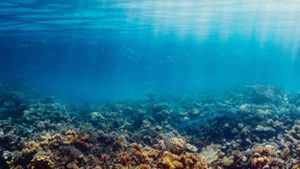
x,y
255,127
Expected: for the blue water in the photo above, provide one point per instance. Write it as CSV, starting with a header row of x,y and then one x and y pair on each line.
x,y
92,50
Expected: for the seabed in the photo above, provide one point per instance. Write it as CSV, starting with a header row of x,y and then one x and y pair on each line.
x,y
252,127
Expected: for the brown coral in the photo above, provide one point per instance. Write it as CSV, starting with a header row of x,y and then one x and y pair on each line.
x,y
79,141
176,145
125,158
265,157
46,142
146,157
298,150
137,155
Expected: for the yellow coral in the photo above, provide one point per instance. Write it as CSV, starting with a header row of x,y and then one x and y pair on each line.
x,y
171,161
49,139
73,165
149,153
31,147
44,162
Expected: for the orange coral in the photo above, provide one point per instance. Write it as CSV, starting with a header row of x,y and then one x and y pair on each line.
x,y
184,161
147,157
295,166
145,166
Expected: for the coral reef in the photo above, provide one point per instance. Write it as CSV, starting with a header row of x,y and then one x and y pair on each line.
x,y
254,127
41,161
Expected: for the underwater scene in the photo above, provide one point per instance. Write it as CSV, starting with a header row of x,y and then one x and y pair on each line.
x,y
149,84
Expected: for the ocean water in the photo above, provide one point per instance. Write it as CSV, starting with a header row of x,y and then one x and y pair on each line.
x,y
91,50
149,84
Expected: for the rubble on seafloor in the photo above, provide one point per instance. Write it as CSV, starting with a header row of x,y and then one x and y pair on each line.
x,y
255,127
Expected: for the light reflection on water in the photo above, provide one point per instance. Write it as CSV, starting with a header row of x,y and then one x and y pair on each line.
x,y
265,19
